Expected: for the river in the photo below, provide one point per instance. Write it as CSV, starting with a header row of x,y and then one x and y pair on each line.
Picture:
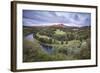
x,y
48,49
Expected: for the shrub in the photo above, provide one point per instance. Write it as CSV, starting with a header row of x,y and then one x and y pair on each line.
x,y
85,52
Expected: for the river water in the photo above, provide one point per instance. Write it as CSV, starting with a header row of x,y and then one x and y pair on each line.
x,y
29,37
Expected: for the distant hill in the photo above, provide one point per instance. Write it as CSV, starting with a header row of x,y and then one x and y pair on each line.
x,y
58,26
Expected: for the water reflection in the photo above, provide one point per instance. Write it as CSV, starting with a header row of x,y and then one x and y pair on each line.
x,y
48,49
29,37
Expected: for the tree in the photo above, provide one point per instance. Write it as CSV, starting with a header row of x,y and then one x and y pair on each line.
x,y
50,41
66,42
62,42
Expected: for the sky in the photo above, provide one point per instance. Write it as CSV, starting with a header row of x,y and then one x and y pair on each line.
x,y
42,18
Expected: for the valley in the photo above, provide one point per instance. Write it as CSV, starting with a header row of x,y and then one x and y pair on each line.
x,y
56,43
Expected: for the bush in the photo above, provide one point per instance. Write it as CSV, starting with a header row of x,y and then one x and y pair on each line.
x,y
85,52
33,52
73,47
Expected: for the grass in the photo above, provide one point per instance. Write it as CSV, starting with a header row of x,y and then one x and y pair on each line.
x,y
59,32
42,36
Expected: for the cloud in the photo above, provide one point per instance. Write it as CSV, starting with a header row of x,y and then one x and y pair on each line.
x,y
36,17
81,19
